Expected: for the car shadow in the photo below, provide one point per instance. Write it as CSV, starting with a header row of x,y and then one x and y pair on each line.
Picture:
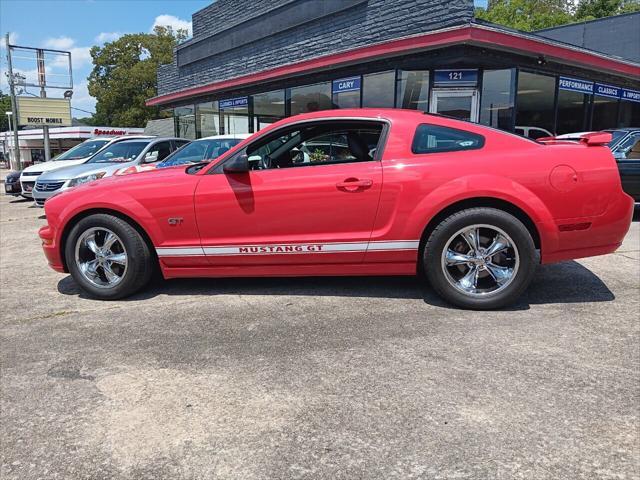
x,y
20,200
567,282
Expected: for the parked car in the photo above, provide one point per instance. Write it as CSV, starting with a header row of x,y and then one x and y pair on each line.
x,y
106,162
202,150
532,132
12,184
627,153
467,204
74,156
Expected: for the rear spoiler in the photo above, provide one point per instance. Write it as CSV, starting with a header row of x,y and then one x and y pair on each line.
x,y
596,139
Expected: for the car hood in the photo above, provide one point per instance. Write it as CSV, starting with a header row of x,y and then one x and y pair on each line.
x,y
84,169
53,165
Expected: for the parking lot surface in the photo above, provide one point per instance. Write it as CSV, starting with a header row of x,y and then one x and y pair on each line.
x,y
316,378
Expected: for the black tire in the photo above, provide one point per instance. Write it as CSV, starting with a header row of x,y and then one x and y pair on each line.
x,y
439,239
140,261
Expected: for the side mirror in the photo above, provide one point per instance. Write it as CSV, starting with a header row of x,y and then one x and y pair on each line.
x,y
238,164
151,157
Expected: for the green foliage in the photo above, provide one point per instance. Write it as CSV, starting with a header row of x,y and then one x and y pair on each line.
x,y
5,106
124,76
592,9
529,15
526,15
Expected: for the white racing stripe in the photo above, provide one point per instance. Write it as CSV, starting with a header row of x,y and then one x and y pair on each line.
x,y
288,248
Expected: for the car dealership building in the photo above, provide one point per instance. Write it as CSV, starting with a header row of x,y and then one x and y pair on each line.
x,y
246,67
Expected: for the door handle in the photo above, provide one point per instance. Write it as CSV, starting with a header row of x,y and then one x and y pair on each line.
x,y
353,184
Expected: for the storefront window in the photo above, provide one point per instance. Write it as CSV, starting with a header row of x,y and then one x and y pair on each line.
x,y
185,122
413,90
378,89
629,114
234,115
208,118
605,112
574,97
311,98
267,108
497,99
535,104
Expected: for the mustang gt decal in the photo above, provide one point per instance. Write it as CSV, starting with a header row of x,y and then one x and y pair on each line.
x,y
289,248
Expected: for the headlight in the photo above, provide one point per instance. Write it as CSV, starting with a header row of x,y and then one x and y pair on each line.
x,y
86,179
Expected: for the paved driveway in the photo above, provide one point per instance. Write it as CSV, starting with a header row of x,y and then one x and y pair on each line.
x,y
316,378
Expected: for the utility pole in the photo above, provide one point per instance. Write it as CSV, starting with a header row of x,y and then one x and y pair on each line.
x,y
17,162
43,94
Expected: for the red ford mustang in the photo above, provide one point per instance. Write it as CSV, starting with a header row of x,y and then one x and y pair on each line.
x,y
350,192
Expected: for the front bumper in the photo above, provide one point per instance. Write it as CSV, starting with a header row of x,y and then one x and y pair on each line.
x,y
41,193
26,187
51,250
12,188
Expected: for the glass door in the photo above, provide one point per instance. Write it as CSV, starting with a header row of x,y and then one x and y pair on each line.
x,y
462,104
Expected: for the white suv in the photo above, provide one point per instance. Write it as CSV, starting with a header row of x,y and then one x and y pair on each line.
x,y
75,156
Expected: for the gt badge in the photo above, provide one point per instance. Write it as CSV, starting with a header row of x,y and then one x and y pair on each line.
x,y
174,221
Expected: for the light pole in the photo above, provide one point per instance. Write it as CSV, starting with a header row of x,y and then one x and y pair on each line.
x,y
14,109
13,156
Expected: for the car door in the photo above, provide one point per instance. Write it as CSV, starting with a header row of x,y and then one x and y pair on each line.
x,y
311,197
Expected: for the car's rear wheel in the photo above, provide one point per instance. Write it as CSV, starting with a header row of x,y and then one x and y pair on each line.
x,y
107,257
480,258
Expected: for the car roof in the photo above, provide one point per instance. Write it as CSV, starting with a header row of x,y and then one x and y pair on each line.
x,y
230,136
150,139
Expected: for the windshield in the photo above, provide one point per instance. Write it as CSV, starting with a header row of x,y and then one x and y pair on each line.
x,y
199,151
119,152
84,150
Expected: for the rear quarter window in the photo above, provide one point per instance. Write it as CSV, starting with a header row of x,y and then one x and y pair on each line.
x,y
437,139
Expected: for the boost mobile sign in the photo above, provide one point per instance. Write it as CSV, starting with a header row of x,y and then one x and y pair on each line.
x,y
37,112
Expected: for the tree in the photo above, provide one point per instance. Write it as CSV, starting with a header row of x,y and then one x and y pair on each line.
x,y
592,9
526,15
5,106
529,15
124,76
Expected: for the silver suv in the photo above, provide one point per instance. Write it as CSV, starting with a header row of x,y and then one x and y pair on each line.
x,y
105,163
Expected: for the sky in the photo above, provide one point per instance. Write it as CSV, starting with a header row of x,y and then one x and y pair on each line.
x,y
77,25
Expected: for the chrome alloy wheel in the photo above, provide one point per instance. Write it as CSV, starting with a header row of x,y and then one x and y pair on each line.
x,y
480,260
101,257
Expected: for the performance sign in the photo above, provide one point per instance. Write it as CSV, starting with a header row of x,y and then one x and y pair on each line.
x,y
575,85
37,112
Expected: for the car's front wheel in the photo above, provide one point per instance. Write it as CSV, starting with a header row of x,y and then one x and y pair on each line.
x,y
108,257
480,258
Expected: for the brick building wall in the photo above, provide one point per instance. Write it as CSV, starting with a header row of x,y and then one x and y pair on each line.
x,y
363,24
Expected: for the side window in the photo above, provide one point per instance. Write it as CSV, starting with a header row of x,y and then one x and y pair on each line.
x,y
436,139
317,144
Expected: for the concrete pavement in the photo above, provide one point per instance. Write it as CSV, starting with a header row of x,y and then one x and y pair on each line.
x,y
316,378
